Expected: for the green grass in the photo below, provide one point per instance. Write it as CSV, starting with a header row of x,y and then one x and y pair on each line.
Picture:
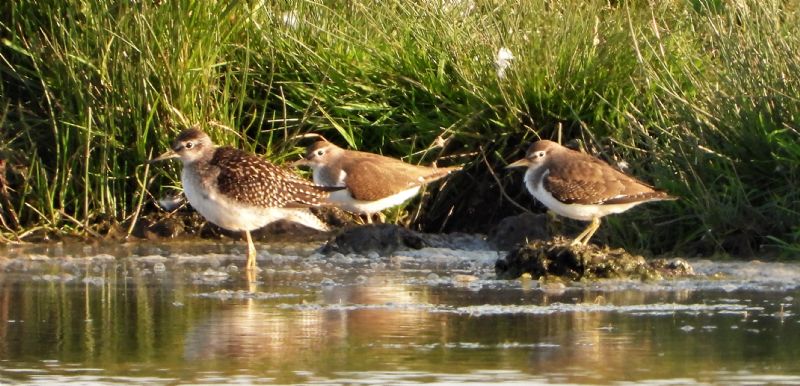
x,y
700,98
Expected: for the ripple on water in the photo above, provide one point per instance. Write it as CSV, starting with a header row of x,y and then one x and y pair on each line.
x,y
437,293
241,294
657,309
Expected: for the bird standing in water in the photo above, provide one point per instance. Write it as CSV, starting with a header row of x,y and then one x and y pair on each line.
x,y
240,191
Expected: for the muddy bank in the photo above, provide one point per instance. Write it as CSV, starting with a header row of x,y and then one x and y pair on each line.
x,y
349,235
386,239
558,258
554,257
188,223
534,249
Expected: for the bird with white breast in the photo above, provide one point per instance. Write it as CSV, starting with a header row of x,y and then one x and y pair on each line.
x,y
581,187
239,191
370,182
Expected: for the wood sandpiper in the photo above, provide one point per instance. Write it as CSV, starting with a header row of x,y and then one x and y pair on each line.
x,y
240,191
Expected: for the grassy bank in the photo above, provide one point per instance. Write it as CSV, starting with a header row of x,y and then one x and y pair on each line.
x,y
701,101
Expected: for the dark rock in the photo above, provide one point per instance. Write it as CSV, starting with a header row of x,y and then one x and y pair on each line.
x,y
518,230
558,258
387,238
381,238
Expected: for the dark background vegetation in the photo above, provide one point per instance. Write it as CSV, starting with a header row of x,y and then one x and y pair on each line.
x,y
699,98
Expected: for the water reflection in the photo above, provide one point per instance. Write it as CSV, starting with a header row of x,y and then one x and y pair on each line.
x,y
262,332
102,319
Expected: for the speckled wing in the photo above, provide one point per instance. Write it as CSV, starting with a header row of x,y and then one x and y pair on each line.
x,y
587,180
371,177
249,179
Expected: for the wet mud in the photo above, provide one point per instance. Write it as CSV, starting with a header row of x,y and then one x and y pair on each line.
x,y
559,258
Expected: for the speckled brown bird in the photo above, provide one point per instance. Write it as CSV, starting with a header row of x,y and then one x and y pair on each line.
x,y
371,182
240,191
581,187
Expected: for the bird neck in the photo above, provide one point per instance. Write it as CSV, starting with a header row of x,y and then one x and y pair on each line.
x,y
329,174
534,175
201,159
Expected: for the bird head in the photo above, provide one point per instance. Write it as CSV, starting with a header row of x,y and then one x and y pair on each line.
x,y
536,154
189,146
319,154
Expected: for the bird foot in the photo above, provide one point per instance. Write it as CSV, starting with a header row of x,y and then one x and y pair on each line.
x,y
577,243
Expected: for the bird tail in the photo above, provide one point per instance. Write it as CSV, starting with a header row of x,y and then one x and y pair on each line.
x,y
667,197
439,173
653,195
310,194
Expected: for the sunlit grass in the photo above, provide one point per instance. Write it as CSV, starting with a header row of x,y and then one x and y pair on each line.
x,y
701,101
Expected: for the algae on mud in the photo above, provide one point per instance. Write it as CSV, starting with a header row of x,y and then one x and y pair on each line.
x,y
558,258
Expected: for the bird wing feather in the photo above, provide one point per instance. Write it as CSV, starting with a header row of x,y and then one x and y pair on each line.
x,y
253,180
371,177
587,180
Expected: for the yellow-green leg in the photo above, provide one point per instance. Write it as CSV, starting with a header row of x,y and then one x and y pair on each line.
x,y
587,234
251,252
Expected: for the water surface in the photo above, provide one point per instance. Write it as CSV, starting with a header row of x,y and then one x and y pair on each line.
x,y
182,313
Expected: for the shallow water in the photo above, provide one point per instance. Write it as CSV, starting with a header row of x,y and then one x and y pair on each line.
x,y
182,313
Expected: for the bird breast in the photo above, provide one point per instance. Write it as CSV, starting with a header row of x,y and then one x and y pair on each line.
x,y
327,176
534,178
534,181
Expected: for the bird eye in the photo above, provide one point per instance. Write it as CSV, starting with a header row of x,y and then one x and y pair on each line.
x,y
188,145
320,152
